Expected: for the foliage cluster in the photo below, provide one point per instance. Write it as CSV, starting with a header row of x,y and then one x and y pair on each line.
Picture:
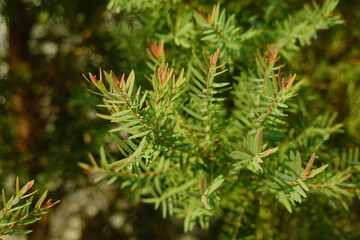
x,y
205,142
235,149
19,209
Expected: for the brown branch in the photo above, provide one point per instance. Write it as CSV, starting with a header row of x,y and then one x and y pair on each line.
x,y
321,185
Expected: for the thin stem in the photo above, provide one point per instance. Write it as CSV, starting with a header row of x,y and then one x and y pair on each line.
x,y
144,174
321,185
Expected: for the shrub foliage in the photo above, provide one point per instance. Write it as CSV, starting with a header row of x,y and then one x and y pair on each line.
x,y
221,133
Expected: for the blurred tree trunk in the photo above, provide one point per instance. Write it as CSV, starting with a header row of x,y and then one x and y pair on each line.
x,y
24,103
19,32
20,23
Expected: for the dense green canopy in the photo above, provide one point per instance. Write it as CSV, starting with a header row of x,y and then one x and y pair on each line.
x,y
48,121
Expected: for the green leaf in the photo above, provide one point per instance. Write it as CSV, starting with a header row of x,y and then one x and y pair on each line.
x,y
286,177
121,113
303,185
299,190
6,224
29,220
284,200
128,86
139,135
215,184
103,160
202,182
192,113
18,232
315,172
298,164
3,197
241,155
140,148
41,200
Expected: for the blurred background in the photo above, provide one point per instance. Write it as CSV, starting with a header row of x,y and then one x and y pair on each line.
x,y
48,122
